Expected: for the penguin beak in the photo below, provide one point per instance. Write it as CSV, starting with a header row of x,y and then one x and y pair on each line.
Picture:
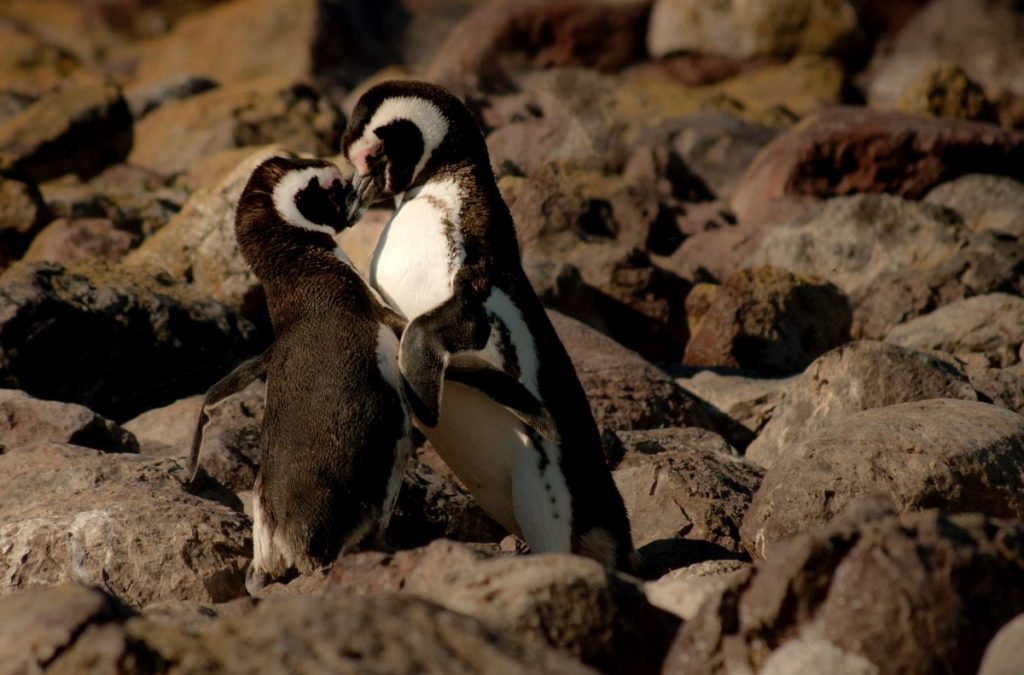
x,y
364,193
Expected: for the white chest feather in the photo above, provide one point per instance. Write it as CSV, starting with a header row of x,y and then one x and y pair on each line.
x,y
420,250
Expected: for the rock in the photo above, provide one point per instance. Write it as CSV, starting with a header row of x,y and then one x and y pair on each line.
x,y
432,505
718,146
25,420
843,151
853,240
77,130
178,134
135,19
639,446
561,601
739,405
684,490
168,429
991,262
947,91
43,622
1002,386
134,199
857,376
960,456
985,202
606,36
987,328
29,64
960,574
119,521
67,240
117,340
625,392
251,39
145,100
199,243
769,320
780,28
948,31
684,590
22,214
1002,656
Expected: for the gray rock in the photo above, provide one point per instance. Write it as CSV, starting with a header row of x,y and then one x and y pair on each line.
x,y
985,330
1002,386
960,574
118,521
985,202
117,340
960,456
857,376
25,420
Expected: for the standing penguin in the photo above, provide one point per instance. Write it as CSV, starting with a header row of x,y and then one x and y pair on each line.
x,y
448,261
336,433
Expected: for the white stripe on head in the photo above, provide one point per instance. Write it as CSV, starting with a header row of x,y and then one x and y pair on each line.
x,y
427,117
292,183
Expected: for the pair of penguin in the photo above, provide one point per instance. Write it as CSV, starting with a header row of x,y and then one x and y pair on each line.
x,y
448,327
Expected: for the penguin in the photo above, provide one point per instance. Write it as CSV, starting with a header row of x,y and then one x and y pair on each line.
x,y
336,431
448,262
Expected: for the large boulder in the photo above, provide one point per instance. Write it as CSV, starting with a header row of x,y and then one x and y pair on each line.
x,y
984,201
25,420
625,392
845,150
118,521
987,328
75,129
930,591
767,319
960,456
742,30
117,340
857,376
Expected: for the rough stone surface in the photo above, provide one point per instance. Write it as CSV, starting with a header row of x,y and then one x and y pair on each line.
x,y
961,575
857,376
67,240
119,341
989,328
22,214
769,320
985,202
947,91
675,488
119,521
960,456
625,391
846,150
73,130
741,30
1002,386
180,133
25,420
684,590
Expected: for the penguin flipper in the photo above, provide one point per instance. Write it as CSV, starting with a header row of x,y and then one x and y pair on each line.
x,y
504,389
242,376
456,325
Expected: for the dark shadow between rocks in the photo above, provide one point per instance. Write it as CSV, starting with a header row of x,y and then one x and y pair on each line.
x,y
660,557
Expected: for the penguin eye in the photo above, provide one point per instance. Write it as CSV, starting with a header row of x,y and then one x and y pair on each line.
x,y
315,204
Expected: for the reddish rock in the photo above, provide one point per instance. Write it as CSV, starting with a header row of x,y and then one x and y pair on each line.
x,y
770,320
65,240
843,151
560,33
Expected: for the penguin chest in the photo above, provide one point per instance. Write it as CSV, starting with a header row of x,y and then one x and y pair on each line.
x,y
418,254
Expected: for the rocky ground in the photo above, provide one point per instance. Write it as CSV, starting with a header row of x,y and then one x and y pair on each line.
x,y
782,241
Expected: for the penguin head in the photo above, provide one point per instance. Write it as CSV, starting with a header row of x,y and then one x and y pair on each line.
x,y
403,132
310,194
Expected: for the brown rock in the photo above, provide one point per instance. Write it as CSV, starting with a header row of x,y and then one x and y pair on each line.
x,y
117,340
684,590
142,18
985,202
857,376
119,521
844,151
770,320
625,392
22,214
1002,386
66,240
29,64
25,420
675,488
960,456
76,129
775,28
987,329
177,134
947,91
168,429
1002,656
606,36
961,575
